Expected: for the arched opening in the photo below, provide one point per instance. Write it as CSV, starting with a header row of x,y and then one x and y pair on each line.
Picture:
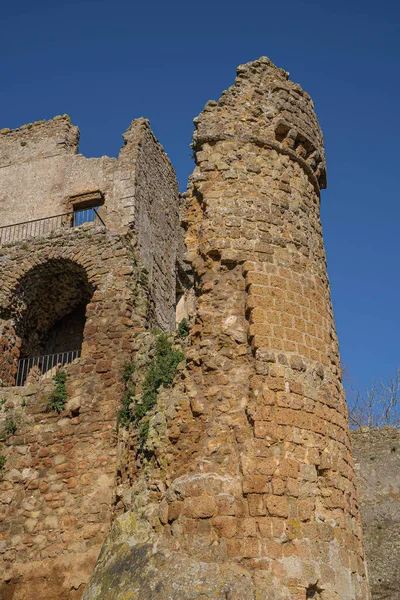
x,y
49,309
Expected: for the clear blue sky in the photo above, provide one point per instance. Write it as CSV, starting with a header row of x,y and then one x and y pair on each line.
x,y
107,62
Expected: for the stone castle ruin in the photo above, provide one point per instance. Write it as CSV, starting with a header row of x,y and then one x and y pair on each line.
x,y
236,481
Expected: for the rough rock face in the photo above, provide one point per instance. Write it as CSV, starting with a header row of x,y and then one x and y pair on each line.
x,y
69,286
376,454
246,488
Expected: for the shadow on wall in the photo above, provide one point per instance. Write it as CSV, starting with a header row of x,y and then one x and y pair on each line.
x,y
48,308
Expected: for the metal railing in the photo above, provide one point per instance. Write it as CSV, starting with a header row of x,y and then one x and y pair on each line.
x,y
43,367
10,234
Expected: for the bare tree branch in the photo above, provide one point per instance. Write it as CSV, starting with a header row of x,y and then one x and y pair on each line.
x,y
379,406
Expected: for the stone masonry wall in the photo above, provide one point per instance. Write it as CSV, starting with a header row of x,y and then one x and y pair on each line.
x,y
246,488
376,455
156,220
58,483
41,175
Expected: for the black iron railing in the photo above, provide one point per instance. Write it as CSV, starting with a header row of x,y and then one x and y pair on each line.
x,y
42,367
10,234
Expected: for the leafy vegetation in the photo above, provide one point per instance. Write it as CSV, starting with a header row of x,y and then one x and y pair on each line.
x,y
2,461
124,415
59,394
128,370
183,329
10,427
160,372
144,432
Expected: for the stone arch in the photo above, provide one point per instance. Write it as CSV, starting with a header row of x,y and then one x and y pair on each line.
x,y
46,309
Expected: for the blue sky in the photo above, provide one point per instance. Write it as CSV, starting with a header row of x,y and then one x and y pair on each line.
x,y
106,63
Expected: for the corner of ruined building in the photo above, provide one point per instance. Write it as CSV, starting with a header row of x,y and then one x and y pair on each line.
x,y
39,139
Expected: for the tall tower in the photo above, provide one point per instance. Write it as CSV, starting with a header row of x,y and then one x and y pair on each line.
x,y
250,491
267,341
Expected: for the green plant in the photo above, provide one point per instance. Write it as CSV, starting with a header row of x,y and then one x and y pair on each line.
x,y
23,144
10,427
143,432
160,372
59,394
143,277
2,461
124,415
127,371
379,526
183,329
3,437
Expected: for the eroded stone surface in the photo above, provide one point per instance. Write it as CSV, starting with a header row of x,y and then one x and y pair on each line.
x,y
377,466
244,487
249,471
92,288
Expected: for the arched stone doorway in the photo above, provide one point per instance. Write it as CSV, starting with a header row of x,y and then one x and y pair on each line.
x,y
47,314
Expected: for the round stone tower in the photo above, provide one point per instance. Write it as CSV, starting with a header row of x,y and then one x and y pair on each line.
x,y
265,352
249,490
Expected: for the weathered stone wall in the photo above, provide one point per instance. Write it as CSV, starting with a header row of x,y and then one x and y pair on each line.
x,y
42,175
40,170
246,488
9,352
58,483
156,220
376,454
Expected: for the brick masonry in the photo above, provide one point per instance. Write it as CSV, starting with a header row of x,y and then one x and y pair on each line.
x,y
248,490
58,486
245,486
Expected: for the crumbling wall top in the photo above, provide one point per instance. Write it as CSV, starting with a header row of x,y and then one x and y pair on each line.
x,y
265,107
37,140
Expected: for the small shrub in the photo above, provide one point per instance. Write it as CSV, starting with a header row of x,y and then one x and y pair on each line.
x,y
143,277
143,432
10,427
128,370
124,415
183,329
2,461
161,372
59,394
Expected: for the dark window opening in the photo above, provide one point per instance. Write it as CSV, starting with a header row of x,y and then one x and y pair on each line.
x,y
86,207
66,335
